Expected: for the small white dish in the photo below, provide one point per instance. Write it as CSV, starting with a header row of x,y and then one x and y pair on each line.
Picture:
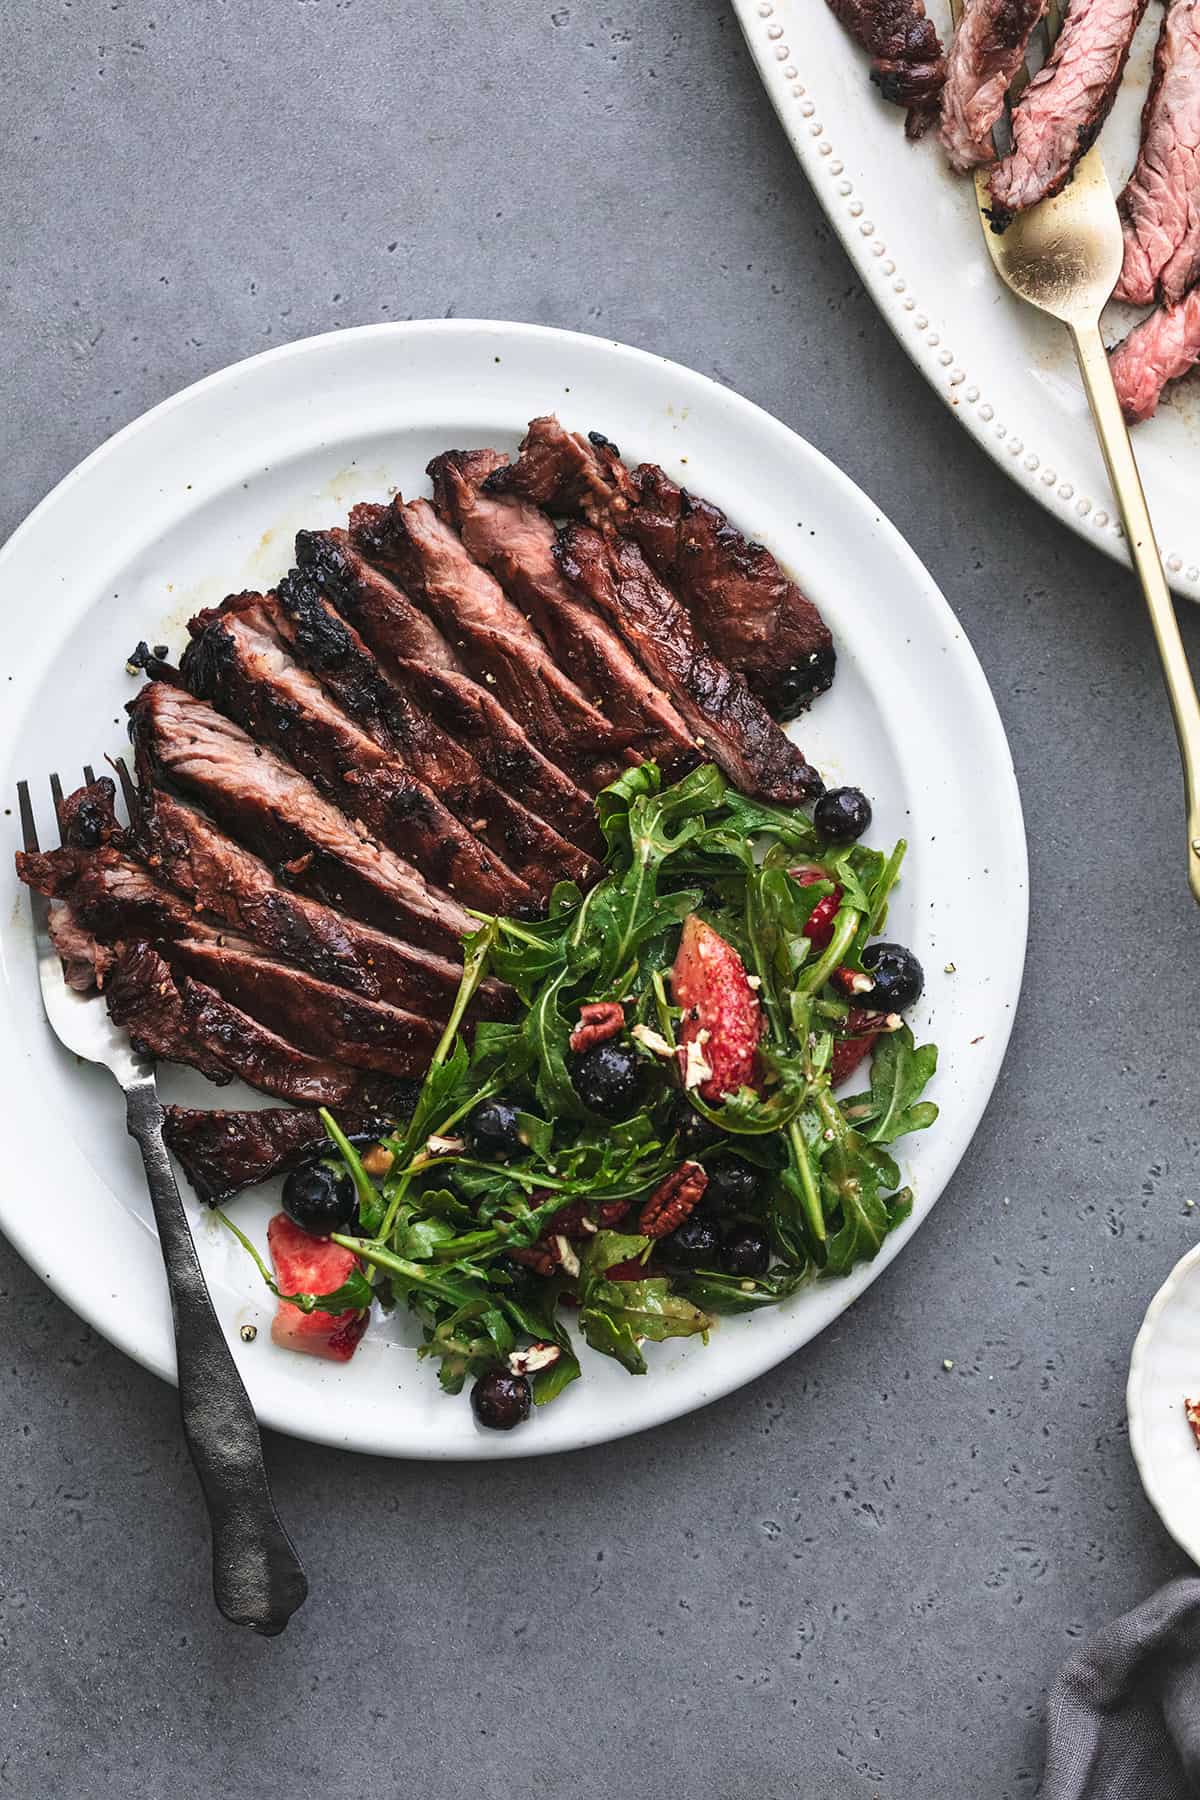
x,y
1164,1370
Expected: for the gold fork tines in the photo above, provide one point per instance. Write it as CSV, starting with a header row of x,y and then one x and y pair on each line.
x,y
1064,256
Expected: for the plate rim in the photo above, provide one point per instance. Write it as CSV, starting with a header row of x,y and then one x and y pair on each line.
x,y
969,671
944,371
1139,1429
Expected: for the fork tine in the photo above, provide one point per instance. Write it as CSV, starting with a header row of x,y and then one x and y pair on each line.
x,y
128,791
57,795
89,774
28,822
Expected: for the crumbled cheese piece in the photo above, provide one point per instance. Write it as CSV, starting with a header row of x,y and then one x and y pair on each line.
x,y
893,1022
754,982
444,1146
861,982
697,1068
651,1040
538,1356
567,1256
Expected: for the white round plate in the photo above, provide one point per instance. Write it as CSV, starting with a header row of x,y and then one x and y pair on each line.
x,y
202,497
911,228
1164,1370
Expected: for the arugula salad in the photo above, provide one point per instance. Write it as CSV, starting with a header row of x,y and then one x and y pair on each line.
x,y
663,1131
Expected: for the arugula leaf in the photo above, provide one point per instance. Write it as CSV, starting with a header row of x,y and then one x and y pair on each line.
x,y
615,1316
852,1178
718,1293
900,1072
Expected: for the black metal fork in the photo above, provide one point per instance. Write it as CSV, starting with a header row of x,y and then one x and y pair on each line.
x,y
257,1576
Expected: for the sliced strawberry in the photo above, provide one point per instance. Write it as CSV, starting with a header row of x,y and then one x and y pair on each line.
x,y
818,927
722,1016
312,1265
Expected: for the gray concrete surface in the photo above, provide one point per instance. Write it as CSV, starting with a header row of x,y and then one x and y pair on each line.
x,y
856,1577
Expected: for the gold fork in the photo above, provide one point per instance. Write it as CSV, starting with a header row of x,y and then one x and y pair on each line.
x,y
1063,256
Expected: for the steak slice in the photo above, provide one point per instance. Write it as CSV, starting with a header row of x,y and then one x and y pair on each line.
x,y
740,600
238,660
496,641
387,621
735,729
907,64
85,960
110,895
389,714
224,1152
1160,205
989,47
323,1020
1164,346
228,883
269,1062
144,1000
1058,117
515,541
87,817
262,801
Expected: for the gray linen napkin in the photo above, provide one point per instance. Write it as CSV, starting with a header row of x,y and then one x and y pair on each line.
x,y
1123,1719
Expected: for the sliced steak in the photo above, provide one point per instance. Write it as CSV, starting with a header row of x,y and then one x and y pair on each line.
x,y
743,605
515,540
110,895
144,999
989,47
733,726
495,640
271,1063
907,64
230,884
1162,348
323,1020
325,643
1160,205
87,817
85,960
262,801
395,631
1058,117
238,660
224,1152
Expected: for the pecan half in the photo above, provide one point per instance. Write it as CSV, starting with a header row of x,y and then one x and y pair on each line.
x,y
670,1204
541,1257
599,1020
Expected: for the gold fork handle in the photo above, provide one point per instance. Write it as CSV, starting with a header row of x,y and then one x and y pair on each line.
x,y
1127,486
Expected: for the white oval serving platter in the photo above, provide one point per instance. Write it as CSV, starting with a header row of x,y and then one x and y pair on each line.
x,y
911,228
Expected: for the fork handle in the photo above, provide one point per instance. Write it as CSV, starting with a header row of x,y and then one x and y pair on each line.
x,y
257,1577
1139,532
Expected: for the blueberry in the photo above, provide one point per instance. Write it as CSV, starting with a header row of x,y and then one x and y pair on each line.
x,y
492,1130
746,1252
694,1243
692,1130
842,814
802,682
899,977
608,1079
733,1186
500,1400
319,1197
